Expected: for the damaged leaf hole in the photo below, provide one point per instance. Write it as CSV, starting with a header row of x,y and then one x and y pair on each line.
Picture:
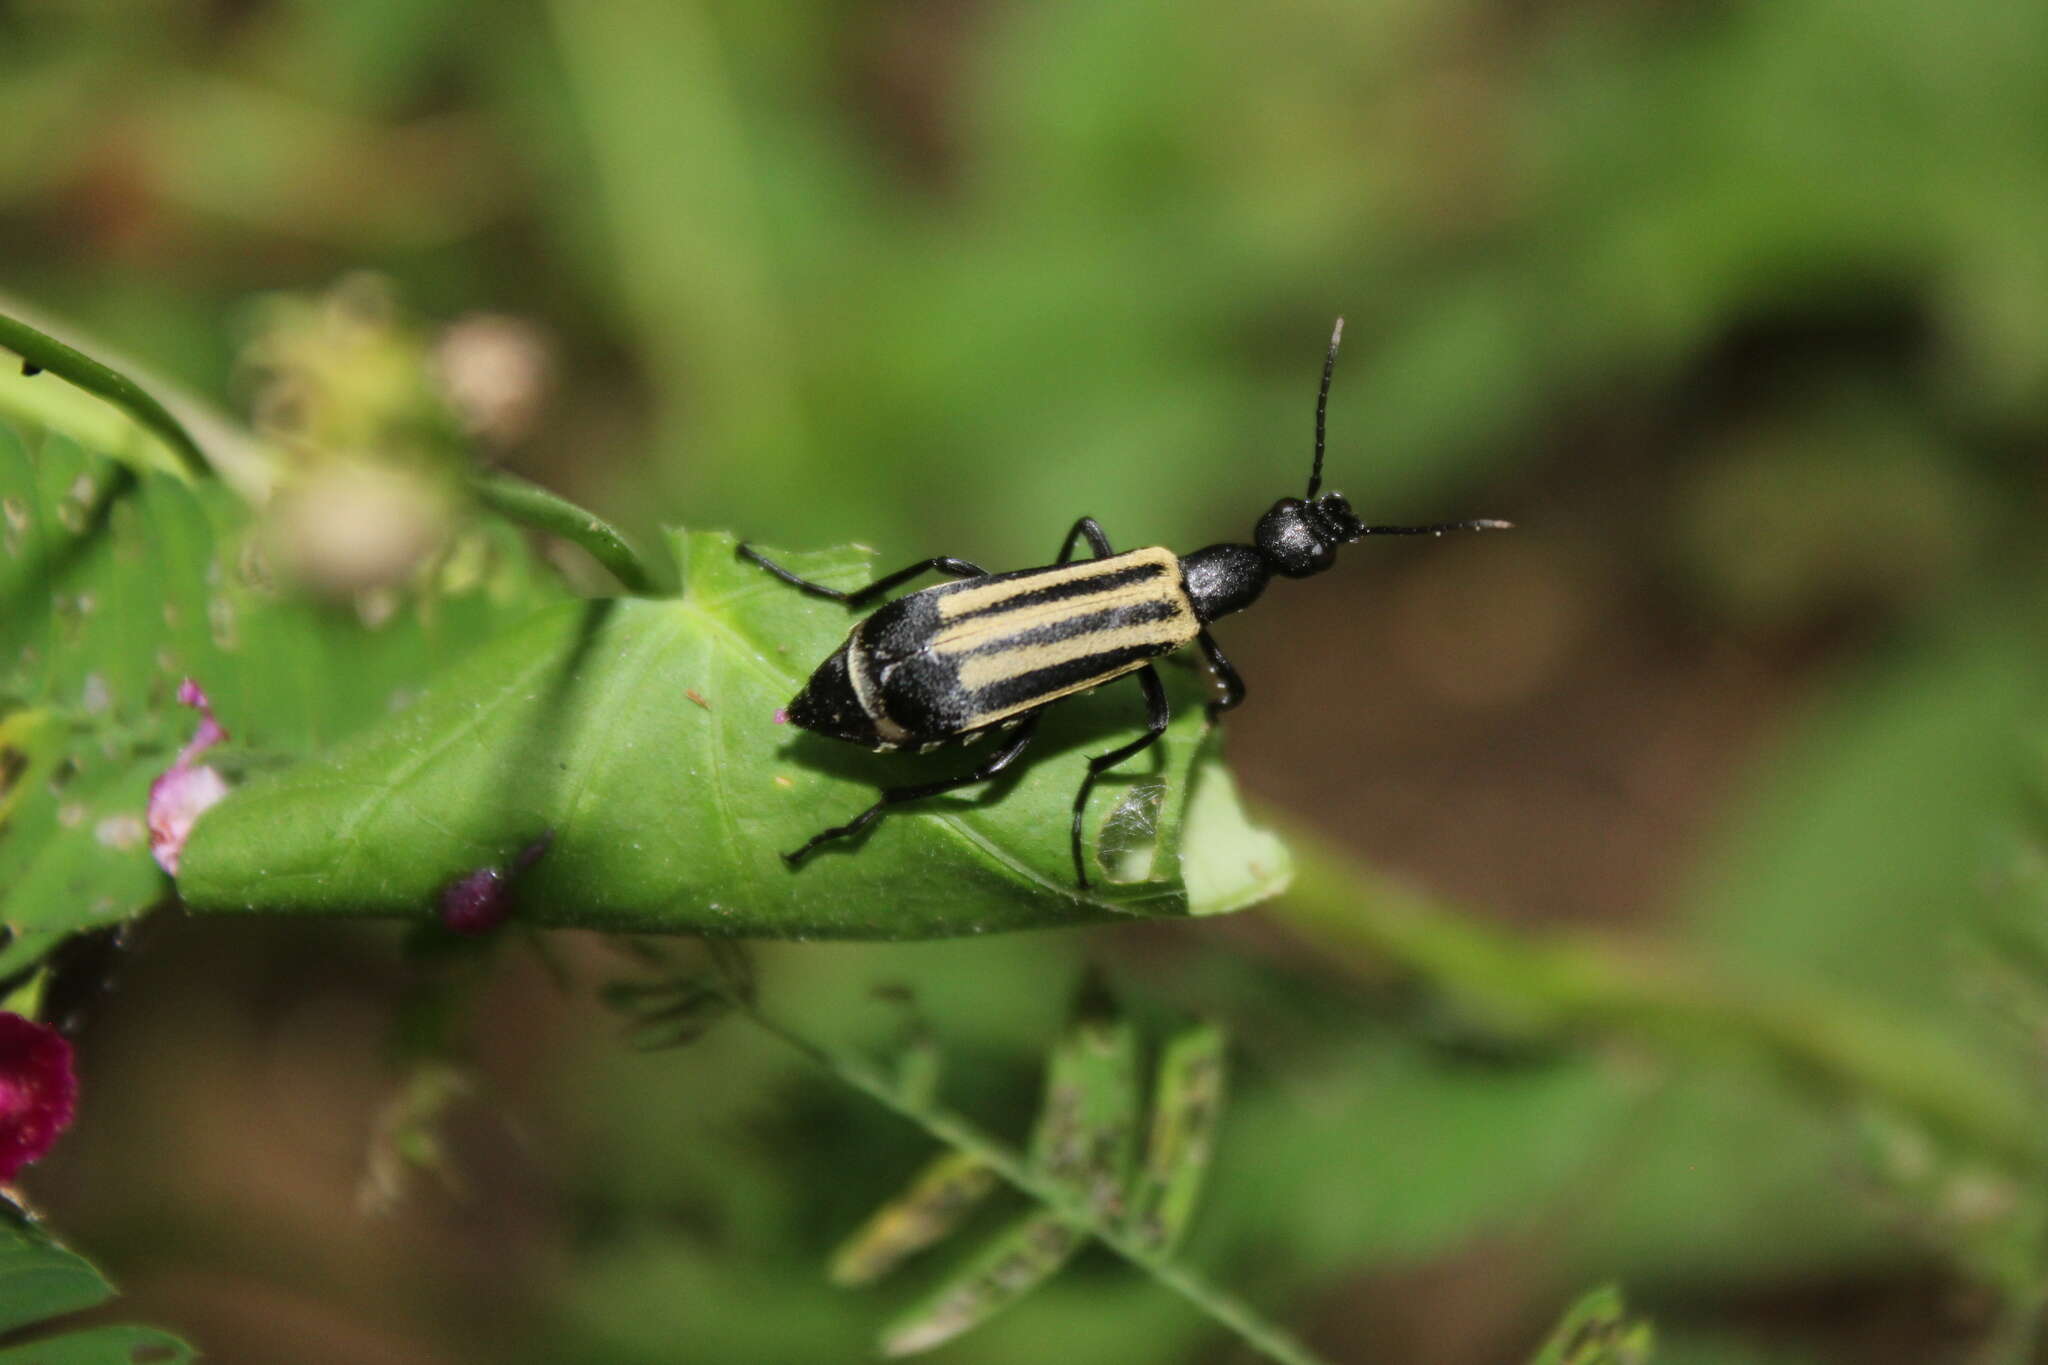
x,y
1128,847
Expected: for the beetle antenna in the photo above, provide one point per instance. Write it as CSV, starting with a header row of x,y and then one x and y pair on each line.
x,y
1315,476
1436,530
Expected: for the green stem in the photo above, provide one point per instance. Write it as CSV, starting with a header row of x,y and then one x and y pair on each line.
x,y
47,353
964,1136
1563,986
531,505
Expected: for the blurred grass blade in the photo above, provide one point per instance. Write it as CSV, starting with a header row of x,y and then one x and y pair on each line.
x,y
1187,1105
692,241
937,1201
1597,1331
1009,1266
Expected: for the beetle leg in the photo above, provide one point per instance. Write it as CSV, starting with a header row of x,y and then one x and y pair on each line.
x,y
896,796
1097,540
1156,716
1233,686
959,568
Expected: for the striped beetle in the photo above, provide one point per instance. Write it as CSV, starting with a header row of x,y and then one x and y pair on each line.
x,y
950,663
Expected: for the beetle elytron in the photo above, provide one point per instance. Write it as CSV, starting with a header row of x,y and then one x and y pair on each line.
x,y
991,651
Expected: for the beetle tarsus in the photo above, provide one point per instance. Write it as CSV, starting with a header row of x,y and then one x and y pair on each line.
x,y
1157,714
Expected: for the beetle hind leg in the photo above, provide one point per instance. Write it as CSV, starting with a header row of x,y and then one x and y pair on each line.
x,y
1089,529
1157,714
946,564
1002,758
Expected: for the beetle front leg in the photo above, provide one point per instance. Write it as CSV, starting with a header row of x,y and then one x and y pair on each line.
x,y
1233,686
1157,714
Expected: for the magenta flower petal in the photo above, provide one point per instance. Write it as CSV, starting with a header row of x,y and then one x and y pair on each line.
x,y
38,1091
184,792
176,801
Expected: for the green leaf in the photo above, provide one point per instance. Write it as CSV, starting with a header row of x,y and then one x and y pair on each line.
x,y
1597,1331
40,1280
114,586
640,737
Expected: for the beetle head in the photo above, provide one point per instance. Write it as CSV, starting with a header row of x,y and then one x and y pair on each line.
x,y
1299,537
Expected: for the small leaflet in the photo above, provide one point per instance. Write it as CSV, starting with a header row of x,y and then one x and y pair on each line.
x,y
949,1188
1187,1105
1085,1140
1086,1137
1597,1331
1009,1266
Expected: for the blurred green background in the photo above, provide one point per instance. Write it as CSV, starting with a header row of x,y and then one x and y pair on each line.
x,y
1738,307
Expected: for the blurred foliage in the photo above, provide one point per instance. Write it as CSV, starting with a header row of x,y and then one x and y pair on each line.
x,y
41,1281
1085,1148
1597,1331
1743,300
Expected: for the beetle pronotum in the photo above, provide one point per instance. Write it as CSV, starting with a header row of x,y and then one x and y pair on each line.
x,y
991,651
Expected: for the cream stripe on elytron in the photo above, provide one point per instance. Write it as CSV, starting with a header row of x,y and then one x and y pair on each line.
x,y
977,596
978,631
982,670
983,719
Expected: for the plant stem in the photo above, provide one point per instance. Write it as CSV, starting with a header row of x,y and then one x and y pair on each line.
x,y
964,1136
1558,986
47,353
531,505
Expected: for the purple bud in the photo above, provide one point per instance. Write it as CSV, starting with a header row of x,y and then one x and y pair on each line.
x,y
476,902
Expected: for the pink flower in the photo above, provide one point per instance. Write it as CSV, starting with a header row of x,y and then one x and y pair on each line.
x,y
38,1091
185,792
